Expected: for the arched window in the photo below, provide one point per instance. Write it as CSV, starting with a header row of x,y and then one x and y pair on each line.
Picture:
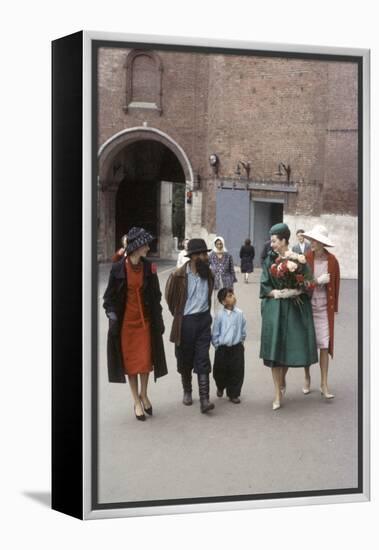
x,y
143,81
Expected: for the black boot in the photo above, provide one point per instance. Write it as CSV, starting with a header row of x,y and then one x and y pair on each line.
x,y
205,404
187,387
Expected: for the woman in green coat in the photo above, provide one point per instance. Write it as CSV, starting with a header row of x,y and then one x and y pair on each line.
x,y
288,335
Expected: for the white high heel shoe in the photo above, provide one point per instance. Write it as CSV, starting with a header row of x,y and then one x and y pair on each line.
x,y
326,394
276,405
307,389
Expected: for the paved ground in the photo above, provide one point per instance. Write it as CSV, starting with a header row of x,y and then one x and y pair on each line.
x,y
308,444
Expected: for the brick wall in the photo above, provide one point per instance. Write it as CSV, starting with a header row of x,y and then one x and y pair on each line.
x,y
264,110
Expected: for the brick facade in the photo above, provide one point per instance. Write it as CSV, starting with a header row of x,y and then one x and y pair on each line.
x,y
265,110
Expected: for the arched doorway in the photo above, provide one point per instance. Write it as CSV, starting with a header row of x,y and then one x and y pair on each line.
x,y
143,176
145,165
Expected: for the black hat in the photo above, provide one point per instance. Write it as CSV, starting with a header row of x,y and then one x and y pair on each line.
x,y
196,246
136,238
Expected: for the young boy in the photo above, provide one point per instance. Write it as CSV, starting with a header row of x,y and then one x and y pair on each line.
x,y
228,335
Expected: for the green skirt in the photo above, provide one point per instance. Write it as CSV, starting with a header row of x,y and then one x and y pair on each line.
x,y
288,335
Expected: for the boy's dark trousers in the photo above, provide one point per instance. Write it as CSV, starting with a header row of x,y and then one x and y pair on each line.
x,y
229,369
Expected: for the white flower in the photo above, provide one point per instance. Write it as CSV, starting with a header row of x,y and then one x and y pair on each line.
x,y
291,266
302,259
289,255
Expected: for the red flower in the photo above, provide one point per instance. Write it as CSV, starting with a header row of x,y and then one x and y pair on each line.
x,y
277,261
154,268
300,278
274,270
283,267
310,284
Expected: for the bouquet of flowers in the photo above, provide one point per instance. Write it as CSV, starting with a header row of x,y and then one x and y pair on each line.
x,y
291,273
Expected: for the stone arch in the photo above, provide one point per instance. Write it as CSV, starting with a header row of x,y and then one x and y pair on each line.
x,y
118,141
110,176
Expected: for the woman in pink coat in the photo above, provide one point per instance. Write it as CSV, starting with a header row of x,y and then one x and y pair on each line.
x,y
326,272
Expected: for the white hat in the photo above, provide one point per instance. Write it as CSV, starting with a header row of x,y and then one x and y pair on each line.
x,y
319,233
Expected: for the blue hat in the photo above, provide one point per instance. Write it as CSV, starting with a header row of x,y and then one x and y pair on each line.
x,y
136,238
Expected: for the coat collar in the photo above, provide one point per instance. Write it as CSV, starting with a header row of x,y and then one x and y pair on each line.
x,y
182,271
119,270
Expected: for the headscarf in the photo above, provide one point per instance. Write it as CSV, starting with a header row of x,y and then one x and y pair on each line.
x,y
215,249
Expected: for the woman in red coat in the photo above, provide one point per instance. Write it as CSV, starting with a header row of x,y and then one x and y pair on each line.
x,y
326,272
132,305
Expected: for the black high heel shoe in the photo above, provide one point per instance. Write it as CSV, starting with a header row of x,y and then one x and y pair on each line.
x,y
141,417
148,410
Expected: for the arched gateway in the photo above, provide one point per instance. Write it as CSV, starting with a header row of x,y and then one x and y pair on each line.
x,y
143,175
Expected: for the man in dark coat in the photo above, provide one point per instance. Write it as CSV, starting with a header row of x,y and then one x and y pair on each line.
x,y
188,295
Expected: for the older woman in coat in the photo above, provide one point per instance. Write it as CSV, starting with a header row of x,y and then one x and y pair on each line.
x,y
132,305
247,254
326,272
222,267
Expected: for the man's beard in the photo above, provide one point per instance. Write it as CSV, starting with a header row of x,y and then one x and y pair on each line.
x,y
202,267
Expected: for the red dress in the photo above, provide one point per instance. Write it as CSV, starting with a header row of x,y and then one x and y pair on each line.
x,y
135,330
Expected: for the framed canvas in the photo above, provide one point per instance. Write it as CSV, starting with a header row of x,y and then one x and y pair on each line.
x,y
177,142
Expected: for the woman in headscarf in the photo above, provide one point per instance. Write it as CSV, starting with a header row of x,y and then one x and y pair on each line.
x,y
222,266
288,335
326,272
132,303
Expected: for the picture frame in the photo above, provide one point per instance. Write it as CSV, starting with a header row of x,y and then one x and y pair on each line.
x,y
91,125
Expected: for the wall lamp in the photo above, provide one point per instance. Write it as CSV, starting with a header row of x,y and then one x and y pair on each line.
x,y
246,165
214,161
287,171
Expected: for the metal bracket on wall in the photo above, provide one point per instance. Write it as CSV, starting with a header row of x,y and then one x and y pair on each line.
x,y
259,186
